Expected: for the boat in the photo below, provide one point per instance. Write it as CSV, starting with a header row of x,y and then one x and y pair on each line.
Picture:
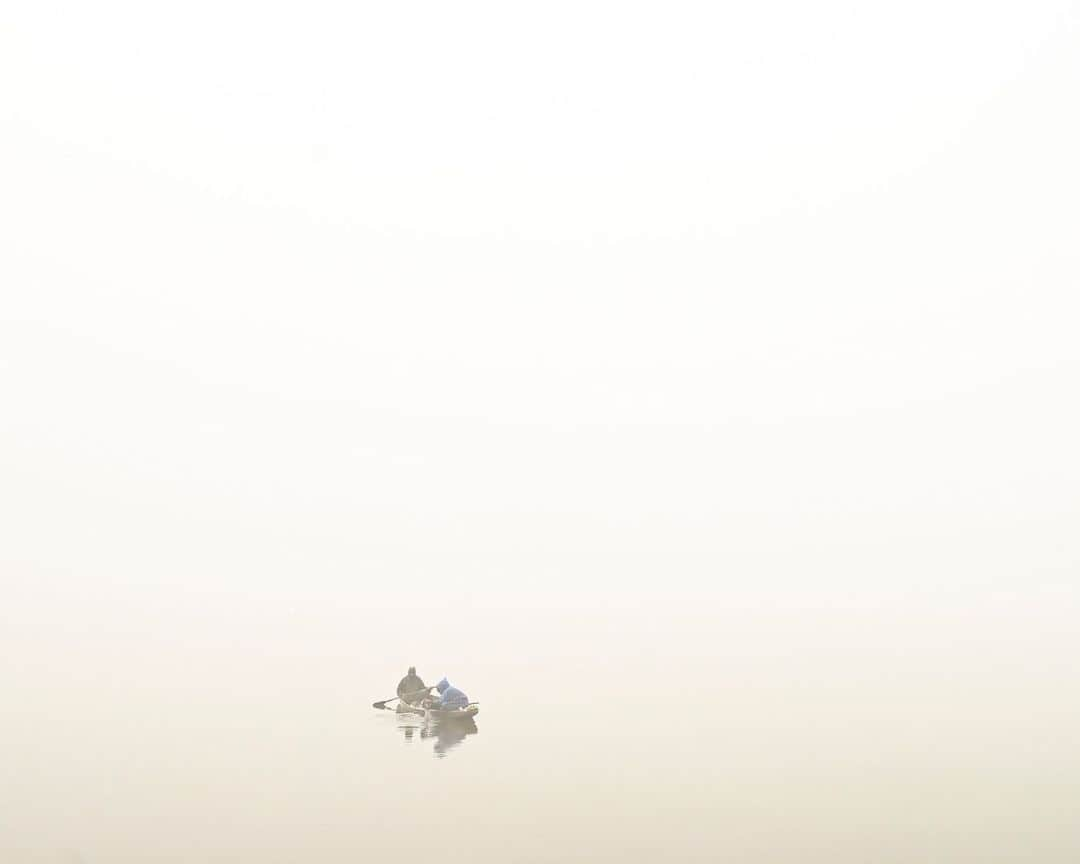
x,y
439,715
406,708
459,715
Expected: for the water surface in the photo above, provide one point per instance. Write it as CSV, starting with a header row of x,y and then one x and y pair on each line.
x,y
756,735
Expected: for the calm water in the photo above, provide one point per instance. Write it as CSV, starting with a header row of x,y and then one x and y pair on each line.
x,y
752,735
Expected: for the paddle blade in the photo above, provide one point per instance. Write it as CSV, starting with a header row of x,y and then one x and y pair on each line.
x,y
378,706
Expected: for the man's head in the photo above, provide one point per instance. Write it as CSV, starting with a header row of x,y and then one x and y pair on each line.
x,y
412,670
442,686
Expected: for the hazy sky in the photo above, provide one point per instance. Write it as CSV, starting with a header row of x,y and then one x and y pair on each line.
x,y
576,300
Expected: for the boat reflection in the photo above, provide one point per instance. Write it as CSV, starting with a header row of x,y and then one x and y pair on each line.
x,y
449,735
445,736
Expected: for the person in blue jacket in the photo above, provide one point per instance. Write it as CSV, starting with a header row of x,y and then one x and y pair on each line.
x,y
448,697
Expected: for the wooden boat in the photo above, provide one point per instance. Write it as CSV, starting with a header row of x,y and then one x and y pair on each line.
x,y
439,715
443,715
406,708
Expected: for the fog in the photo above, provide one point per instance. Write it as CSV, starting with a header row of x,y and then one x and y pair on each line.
x,y
695,385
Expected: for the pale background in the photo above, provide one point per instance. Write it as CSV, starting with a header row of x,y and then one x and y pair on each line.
x,y
696,384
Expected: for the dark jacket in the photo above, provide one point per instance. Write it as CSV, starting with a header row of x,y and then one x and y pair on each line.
x,y
410,684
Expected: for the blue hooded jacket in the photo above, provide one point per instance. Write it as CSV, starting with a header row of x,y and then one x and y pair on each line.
x,y
450,697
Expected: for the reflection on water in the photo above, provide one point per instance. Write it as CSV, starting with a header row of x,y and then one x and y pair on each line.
x,y
449,735
445,735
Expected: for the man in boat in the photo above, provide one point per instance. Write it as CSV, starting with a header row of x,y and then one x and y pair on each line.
x,y
448,697
411,689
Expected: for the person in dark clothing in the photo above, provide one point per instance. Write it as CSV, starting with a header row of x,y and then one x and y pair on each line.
x,y
411,688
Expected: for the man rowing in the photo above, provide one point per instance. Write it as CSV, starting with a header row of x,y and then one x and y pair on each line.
x,y
411,689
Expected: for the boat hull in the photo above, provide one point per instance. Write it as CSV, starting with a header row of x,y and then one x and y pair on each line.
x,y
403,708
439,715
452,715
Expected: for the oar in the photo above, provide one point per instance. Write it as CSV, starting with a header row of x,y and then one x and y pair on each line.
x,y
379,706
